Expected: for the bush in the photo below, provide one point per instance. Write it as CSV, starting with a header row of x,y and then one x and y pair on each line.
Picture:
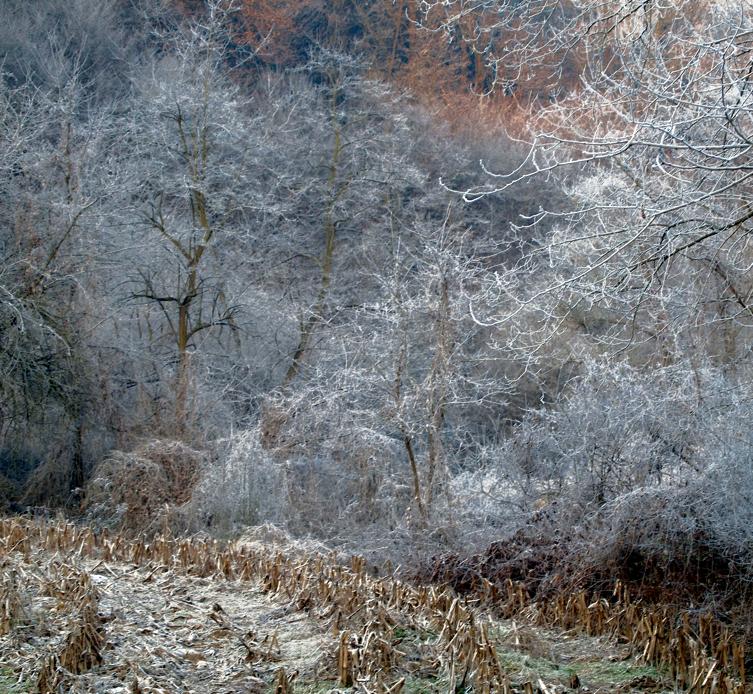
x,y
243,486
356,497
139,491
327,495
647,477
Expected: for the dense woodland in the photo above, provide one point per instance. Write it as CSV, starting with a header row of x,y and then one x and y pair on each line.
x,y
408,277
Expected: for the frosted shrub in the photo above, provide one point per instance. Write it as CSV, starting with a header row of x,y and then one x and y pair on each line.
x,y
640,472
722,496
244,486
616,430
486,503
141,490
353,496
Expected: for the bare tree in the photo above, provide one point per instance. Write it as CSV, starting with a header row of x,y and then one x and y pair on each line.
x,y
192,143
653,149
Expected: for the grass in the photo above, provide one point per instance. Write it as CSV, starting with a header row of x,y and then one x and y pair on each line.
x,y
9,683
538,660
416,685
596,673
527,666
313,688
418,635
605,672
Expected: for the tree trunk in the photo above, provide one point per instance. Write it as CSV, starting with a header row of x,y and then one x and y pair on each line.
x,y
330,236
438,390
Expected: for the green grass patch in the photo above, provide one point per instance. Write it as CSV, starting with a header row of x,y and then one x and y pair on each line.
x,y
606,672
9,683
425,685
518,665
522,667
315,688
400,633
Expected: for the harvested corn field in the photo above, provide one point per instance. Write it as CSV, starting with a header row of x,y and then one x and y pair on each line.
x,y
90,612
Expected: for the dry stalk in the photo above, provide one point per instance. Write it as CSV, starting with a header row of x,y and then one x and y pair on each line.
x,y
284,682
364,611
70,585
85,642
51,676
12,611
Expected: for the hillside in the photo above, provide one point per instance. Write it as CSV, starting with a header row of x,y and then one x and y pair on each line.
x,y
460,287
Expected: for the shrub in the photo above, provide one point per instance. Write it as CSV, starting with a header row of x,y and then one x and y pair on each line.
x,y
643,476
137,491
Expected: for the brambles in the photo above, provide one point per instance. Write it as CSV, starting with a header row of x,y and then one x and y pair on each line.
x,y
133,491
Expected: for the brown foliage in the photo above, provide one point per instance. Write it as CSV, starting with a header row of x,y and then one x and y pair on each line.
x,y
543,561
274,28
132,491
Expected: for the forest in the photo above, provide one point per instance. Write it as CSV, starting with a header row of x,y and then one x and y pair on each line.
x,y
461,287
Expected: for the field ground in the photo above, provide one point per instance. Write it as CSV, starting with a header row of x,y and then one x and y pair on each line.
x,y
164,630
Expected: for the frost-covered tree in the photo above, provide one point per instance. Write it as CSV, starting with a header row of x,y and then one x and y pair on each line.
x,y
189,143
652,148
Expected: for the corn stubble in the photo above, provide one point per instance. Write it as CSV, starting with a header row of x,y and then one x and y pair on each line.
x,y
12,612
369,617
85,642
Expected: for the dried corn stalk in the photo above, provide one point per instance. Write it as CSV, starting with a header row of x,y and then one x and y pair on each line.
x,y
85,642
12,611
284,682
